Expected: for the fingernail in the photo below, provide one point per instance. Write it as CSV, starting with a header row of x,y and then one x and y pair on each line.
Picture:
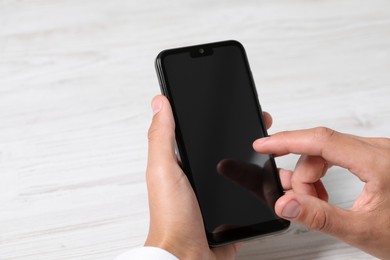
x,y
262,140
291,210
156,106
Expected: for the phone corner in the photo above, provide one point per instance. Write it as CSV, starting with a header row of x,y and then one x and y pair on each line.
x,y
236,43
158,59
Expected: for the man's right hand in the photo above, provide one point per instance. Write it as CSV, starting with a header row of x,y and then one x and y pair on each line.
x,y
366,225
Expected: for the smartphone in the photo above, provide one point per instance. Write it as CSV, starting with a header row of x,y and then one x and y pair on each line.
x,y
218,116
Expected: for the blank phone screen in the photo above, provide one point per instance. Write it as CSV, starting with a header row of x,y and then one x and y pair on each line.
x,y
217,119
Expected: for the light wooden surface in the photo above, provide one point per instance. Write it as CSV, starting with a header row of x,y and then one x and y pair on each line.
x,y
76,80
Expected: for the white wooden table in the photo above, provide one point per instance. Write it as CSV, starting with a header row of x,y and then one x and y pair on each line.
x,y
76,80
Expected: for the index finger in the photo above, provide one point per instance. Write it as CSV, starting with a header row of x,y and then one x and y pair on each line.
x,y
337,148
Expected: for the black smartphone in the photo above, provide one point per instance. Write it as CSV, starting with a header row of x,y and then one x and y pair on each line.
x,y
218,116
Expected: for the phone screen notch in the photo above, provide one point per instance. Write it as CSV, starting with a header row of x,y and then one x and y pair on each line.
x,y
201,51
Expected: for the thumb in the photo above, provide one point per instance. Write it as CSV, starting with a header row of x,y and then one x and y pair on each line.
x,y
316,214
161,133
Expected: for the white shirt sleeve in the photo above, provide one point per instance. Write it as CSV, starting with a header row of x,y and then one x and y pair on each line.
x,y
147,253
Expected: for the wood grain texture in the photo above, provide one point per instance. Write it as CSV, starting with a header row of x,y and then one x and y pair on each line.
x,y
76,80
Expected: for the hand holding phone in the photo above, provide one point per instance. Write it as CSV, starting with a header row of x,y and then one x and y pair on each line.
x,y
217,116
176,223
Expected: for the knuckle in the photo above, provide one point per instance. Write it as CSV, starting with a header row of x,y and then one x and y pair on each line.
x,y
319,220
323,133
160,129
381,165
152,132
295,180
386,161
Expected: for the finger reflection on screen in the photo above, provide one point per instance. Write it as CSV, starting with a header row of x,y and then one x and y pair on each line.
x,y
253,178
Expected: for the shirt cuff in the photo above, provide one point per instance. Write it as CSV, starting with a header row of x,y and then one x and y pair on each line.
x,y
147,252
